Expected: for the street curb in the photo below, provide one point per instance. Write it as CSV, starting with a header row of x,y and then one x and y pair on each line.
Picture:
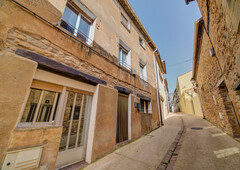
x,y
170,157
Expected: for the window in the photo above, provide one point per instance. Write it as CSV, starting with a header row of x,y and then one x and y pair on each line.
x,y
124,56
141,42
125,21
143,71
161,77
77,24
40,107
146,106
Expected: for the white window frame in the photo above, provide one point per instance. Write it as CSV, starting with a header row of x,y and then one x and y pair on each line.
x,y
92,25
143,73
126,25
123,47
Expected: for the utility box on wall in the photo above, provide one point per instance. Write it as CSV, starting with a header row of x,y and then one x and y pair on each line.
x,y
23,159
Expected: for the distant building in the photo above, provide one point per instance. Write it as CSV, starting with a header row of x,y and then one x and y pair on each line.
x,y
175,105
188,98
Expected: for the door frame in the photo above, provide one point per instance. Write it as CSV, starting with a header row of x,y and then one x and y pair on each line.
x,y
129,96
50,77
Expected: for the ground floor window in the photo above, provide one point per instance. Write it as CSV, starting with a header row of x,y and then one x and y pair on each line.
x,y
146,106
41,106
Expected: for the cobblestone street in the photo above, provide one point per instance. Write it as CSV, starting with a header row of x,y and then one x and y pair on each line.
x,y
206,148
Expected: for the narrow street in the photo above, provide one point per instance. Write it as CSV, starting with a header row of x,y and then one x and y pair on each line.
x,y
206,148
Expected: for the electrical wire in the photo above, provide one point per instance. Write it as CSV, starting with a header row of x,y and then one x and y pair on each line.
x,y
185,61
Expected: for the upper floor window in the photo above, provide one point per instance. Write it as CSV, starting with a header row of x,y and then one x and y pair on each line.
x,y
78,24
125,21
124,56
141,42
161,77
143,71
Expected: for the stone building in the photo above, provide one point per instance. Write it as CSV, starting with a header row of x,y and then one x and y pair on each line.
x,y
216,62
175,103
188,97
78,78
161,89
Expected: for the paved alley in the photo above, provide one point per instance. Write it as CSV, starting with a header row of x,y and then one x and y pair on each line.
x,y
206,148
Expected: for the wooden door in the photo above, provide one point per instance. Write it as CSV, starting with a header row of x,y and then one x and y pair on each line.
x,y
122,118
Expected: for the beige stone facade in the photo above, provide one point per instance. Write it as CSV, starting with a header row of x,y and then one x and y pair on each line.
x,y
188,97
218,76
36,52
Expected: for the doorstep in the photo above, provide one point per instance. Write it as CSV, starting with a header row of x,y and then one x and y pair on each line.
x,y
76,166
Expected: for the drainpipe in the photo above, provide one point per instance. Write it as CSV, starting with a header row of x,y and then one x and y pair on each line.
x,y
158,91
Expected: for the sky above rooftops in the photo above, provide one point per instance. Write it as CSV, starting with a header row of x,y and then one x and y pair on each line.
x,y
170,23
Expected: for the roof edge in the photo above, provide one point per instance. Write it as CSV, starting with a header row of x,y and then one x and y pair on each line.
x,y
129,10
197,24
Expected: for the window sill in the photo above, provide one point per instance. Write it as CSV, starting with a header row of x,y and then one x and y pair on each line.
x,y
75,37
23,127
144,80
146,113
128,29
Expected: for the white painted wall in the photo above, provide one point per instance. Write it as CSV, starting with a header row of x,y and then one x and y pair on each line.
x,y
162,93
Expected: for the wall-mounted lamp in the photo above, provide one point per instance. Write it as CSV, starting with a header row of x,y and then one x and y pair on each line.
x,y
193,81
187,1
212,52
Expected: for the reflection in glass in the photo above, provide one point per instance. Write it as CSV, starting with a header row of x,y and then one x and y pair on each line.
x,y
74,129
83,121
70,16
66,121
31,105
75,125
46,106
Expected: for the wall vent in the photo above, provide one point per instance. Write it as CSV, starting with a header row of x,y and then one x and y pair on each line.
x,y
23,159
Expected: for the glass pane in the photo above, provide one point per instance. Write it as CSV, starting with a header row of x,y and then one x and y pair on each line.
x,y
46,106
66,121
74,129
141,72
84,27
124,57
85,113
31,105
120,56
54,114
70,16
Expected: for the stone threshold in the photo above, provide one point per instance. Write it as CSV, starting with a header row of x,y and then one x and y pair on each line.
x,y
76,166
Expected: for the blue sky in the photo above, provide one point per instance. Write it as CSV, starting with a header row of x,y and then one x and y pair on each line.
x,y
170,23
